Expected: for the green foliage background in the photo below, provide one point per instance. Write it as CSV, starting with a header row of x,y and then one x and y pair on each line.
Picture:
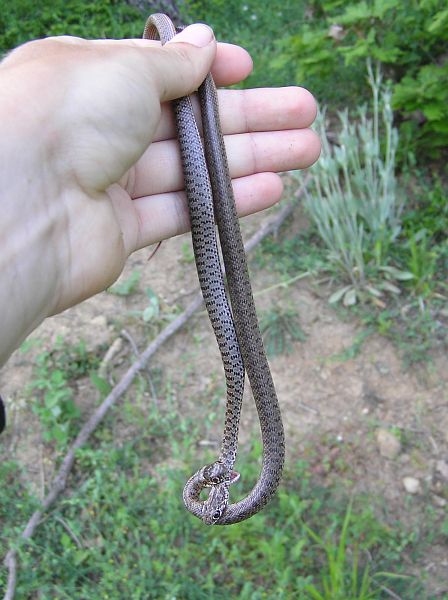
x,y
25,20
297,43
294,42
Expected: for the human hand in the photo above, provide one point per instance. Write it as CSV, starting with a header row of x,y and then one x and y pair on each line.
x,y
81,186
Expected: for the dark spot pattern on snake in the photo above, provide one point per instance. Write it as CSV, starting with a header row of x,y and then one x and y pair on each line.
x,y
237,333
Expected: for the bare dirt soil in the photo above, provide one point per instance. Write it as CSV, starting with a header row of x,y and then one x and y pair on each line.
x,y
332,408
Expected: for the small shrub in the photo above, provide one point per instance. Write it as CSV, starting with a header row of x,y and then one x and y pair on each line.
x,y
354,201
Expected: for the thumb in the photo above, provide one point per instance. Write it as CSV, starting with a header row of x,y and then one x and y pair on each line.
x,y
183,63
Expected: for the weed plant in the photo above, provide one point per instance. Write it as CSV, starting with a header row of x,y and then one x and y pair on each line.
x,y
354,201
280,327
52,392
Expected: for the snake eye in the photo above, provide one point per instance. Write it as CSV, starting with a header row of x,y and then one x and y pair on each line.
x,y
215,480
216,515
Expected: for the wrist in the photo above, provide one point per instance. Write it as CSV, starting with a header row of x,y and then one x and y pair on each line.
x,y
29,255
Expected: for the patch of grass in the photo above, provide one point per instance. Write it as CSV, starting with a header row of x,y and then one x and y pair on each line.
x,y
122,530
420,331
124,533
127,286
280,328
428,208
415,329
16,504
353,350
424,247
344,575
292,255
53,387
187,253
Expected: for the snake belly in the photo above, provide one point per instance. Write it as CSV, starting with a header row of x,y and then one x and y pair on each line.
x,y
205,205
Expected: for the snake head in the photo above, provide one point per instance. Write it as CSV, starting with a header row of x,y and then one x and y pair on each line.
x,y
219,477
216,504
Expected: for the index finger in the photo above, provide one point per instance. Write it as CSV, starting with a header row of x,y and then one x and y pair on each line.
x,y
232,63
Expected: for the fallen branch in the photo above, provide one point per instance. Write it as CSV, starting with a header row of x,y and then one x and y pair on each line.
x,y
60,480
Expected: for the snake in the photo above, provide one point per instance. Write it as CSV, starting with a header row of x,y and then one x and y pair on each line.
x,y
210,198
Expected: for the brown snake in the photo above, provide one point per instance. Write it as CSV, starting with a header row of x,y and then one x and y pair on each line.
x,y
210,196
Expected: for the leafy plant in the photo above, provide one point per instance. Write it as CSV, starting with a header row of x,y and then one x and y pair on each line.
x,y
152,311
279,328
421,263
55,404
428,207
187,253
354,201
127,286
408,38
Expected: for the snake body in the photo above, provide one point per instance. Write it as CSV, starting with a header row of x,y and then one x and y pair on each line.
x,y
210,196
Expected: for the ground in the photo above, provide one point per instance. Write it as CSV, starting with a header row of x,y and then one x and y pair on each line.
x,y
333,402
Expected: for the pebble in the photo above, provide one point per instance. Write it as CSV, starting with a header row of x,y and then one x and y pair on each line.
x,y
442,468
389,446
404,459
439,501
382,368
99,321
411,485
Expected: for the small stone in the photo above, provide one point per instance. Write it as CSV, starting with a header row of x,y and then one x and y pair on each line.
x,y
411,485
404,459
442,468
439,501
99,321
336,32
382,368
388,445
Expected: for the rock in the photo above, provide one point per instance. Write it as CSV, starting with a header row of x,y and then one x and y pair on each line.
x,y
382,368
412,485
442,468
99,321
439,501
388,445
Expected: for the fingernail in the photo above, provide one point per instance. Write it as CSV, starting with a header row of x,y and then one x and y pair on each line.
x,y
199,35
